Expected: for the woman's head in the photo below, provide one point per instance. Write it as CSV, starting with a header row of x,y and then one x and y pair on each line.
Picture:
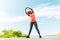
x,y
29,13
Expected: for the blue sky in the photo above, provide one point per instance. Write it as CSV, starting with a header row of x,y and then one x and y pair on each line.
x,y
12,15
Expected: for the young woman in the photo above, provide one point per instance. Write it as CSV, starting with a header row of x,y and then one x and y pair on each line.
x,y
33,21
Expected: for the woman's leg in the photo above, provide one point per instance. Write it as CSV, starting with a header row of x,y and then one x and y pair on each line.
x,y
35,23
31,25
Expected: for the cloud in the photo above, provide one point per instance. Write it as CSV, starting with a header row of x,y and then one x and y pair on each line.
x,y
49,11
44,23
2,14
57,17
13,19
40,11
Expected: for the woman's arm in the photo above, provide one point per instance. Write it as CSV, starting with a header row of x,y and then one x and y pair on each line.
x,y
31,9
26,12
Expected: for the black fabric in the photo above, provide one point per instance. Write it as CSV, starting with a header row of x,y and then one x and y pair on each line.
x,y
31,26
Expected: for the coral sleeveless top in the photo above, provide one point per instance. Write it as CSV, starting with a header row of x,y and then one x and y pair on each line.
x,y
32,18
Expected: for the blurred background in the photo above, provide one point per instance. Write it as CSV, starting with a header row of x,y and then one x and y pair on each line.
x,y
12,16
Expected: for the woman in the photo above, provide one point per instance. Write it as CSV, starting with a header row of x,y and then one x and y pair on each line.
x,y
33,21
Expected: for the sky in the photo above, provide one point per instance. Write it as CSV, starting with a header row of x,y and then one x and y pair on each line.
x,y
12,15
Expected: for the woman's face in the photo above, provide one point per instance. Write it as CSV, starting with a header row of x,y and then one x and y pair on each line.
x,y
29,12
